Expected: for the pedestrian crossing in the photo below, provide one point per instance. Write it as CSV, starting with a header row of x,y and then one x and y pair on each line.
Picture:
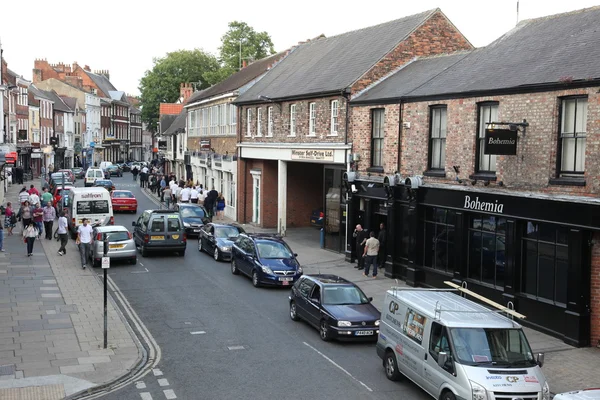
x,y
149,389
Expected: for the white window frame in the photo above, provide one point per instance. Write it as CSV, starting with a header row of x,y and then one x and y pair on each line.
x,y
270,122
335,107
292,120
258,122
312,119
249,122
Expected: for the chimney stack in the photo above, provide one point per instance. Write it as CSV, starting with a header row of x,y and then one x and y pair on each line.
x,y
87,68
185,91
244,63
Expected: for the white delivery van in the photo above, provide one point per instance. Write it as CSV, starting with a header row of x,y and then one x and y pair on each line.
x,y
91,175
105,164
454,348
91,203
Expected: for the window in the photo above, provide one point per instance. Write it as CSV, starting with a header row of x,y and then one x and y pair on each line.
x,y
439,342
232,114
334,117
305,286
259,122
545,266
92,207
270,122
488,112
312,119
487,243
573,129
377,135
293,120
439,239
249,122
437,137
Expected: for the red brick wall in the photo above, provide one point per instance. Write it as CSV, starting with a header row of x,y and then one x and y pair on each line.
x,y
595,290
42,70
436,36
268,191
304,192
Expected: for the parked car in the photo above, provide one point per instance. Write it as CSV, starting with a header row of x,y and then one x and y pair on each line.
x,y
585,394
57,179
194,216
335,306
159,230
120,244
125,167
113,170
316,218
217,239
57,196
69,173
123,200
267,259
78,172
105,183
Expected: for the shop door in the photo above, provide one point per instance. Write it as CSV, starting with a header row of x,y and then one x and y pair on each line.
x,y
256,199
332,224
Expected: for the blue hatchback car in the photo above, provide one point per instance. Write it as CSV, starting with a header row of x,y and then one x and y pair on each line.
x,y
267,259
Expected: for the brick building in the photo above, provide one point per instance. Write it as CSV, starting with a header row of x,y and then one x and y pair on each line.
x,y
136,151
62,124
507,157
293,137
46,125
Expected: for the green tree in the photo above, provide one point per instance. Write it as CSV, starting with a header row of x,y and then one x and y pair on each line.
x,y
254,46
161,84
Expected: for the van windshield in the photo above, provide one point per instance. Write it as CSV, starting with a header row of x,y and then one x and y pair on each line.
x,y
92,207
485,347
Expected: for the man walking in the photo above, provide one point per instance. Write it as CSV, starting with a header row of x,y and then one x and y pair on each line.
x,y
48,218
84,241
371,251
361,237
46,197
62,234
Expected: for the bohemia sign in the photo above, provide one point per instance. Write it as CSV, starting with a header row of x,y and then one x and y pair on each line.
x,y
500,142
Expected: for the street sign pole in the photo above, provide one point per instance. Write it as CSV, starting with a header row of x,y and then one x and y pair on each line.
x,y
105,266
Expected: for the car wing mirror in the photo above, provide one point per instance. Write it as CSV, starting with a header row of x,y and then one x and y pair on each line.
x,y
295,254
442,359
539,360
133,223
370,298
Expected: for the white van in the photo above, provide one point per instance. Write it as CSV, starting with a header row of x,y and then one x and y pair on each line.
x,y
105,164
91,203
91,175
454,348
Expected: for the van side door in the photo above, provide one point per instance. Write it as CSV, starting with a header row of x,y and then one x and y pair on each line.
x,y
434,375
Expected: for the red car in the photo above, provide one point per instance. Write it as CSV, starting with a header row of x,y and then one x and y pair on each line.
x,y
58,193
68,173
123,200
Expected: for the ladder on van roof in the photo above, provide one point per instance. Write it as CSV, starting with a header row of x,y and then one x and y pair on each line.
x,y
509,309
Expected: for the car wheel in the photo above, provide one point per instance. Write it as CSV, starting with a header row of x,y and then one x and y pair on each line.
x,y
216,254
255,281
324,331
199,245
181,253
447,395
133,261
391,366
95,263
293,311
234,269
144,251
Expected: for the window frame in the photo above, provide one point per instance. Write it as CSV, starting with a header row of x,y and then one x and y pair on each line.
x,y
481,231
293,111
258,122
249,122
334,119
381,138
442,140
270,121
312,119
480,141
576,136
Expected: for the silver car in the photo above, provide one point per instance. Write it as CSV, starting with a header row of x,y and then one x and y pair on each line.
x,y
120,244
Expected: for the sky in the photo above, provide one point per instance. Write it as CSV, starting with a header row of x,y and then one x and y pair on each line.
x,y
123,36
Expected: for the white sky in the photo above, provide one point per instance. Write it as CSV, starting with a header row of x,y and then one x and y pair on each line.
x,y
124,35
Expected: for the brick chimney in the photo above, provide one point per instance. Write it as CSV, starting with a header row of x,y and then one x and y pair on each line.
x,y
74,80
185,91
87,68
244,63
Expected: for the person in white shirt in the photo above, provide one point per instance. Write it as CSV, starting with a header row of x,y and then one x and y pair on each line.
x,y
34,198
194,195
62,234
145,170
185,194
84,241
201,196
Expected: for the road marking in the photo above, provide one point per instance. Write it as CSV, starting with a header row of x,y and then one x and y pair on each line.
x,y
197,333
140,385
338,366
140,272
146,396
157,372
141,264
236,347
169,394
163,382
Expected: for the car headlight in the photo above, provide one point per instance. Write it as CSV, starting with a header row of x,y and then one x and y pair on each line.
x,y
226,248
300,270
267,270
344,323
377,323
186,225
546,391
478,392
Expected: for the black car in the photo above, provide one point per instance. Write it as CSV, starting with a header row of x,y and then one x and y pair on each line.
x,y
194,216
125,167
217,239
267,259
78,172
113,170
335,306
105,183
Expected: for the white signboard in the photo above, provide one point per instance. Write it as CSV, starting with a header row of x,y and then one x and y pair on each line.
x,y
312,155
105,262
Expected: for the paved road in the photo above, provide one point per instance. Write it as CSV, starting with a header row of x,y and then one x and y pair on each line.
x,y
223,339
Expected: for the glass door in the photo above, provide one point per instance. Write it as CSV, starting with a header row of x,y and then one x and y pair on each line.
x,y
334,234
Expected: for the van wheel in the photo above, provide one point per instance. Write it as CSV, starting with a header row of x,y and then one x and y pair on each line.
x,y
234,269
447,395
391,366
324,331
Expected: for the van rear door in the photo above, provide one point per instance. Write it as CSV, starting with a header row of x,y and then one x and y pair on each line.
x,y
96,211
175,230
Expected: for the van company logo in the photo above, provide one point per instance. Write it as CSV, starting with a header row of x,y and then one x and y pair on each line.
x,y
512,379
393,307
483,205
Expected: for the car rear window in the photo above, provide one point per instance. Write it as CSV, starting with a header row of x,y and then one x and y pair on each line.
x,y
173,225
118,236
158,225
124,195
92,207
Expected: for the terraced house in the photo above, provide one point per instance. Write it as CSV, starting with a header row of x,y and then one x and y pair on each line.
x,y
502,146
294,140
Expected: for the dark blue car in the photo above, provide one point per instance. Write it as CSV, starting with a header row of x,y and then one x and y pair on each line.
x,y
267,259
335,306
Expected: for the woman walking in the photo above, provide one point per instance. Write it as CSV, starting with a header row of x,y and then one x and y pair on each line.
x,y
26,214
23,195
10,218
29,234
220,206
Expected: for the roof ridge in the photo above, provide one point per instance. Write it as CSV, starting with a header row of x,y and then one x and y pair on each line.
x,y
559,15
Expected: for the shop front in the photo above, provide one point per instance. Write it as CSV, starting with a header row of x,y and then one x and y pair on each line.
x,y
59,158
530,251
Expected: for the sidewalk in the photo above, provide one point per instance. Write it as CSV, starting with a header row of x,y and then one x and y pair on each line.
x,y
51,324
566,368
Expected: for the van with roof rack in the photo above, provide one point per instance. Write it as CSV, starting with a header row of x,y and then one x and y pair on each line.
x,y
454,348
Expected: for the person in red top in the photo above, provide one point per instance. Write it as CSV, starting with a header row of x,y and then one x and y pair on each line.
x,y
33,190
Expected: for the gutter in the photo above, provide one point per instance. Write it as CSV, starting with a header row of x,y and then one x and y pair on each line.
x,y
208,100
329,93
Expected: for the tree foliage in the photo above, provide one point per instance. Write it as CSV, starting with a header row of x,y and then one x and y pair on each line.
x,y
161,84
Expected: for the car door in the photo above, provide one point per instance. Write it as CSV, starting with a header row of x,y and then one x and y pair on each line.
x,y
211,238
434,375
302,294
314,306
174,227
237,253
140,229
202,236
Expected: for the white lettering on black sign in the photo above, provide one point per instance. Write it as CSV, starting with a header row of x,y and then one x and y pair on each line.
x,y
483,205
492,140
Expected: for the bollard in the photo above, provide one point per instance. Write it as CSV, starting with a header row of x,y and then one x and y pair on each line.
x,y
322,238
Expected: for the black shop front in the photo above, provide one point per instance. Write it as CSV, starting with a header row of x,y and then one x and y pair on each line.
x,y
531,250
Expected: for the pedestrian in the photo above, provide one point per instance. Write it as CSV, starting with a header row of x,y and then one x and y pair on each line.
x,y
23,195
49,217
34,198
163,185
168,196
371,252
220,206
201,196
84,241
46,197
1,238
62,234
134,172
185,194
10,218
194,195
33,190
361,237
382,237
38,218
19,175
29,234
25,214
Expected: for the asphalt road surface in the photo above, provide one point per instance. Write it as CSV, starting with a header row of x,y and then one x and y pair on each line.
x,y
221,338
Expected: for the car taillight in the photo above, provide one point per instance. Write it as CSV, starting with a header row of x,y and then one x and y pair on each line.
x,y
129,235
184,237
99,236
112,220
146,238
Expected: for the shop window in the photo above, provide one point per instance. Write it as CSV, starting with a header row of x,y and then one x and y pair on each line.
x,y
439,239
487,243
545,267
573,129
486,163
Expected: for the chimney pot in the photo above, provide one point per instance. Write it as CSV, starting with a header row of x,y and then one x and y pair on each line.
x,y
244,63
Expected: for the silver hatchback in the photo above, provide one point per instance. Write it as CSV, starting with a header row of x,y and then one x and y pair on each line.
x,y
120,244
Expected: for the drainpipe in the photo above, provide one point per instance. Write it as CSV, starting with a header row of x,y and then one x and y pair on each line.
x,y
239,139
400,135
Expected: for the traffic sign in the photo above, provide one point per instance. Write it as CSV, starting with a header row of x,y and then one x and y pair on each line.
x,y
105,262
